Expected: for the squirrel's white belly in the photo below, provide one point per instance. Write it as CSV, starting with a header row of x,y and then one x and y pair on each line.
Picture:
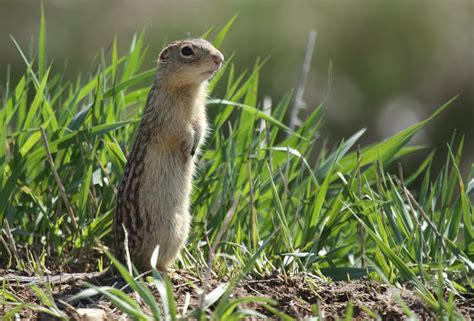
x,y
164,200
165,183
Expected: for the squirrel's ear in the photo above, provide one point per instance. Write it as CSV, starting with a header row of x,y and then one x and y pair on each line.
x,y
164,55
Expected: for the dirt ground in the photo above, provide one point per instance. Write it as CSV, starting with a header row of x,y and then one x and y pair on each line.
x,y
298,296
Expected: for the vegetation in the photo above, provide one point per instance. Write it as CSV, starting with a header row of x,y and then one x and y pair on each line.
x,y
266,198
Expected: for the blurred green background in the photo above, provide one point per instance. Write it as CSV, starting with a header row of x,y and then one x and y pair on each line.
x,y
394,61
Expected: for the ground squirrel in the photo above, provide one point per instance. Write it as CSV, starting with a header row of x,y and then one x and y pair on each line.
x,y
153,197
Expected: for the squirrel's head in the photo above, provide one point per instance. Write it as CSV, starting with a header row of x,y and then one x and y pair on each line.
x,y
189,62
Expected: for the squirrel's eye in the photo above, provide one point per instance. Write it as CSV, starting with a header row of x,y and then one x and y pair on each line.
x,y
187,51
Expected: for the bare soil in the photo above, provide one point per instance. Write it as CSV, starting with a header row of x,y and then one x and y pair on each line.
x,y
298,296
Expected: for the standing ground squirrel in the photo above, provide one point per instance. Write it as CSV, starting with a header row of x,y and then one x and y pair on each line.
x,y
153,198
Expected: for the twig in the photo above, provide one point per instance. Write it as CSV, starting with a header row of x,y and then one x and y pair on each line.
x,y
62,191
127,252
129,264
412,201
253,214
359,195
11,242
63,278
299,104
401,182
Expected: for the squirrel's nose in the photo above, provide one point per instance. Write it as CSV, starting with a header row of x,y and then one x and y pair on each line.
x,y
217,58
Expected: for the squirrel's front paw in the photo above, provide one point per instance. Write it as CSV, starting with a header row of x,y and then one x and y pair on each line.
x,y
187,150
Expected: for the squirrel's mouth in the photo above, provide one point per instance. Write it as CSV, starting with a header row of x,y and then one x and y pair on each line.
x,y
208,73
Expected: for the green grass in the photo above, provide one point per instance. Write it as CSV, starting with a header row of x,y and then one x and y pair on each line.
x,y
265,198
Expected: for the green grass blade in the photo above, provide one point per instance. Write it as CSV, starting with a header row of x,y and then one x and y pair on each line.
x,y
43,60
222,33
